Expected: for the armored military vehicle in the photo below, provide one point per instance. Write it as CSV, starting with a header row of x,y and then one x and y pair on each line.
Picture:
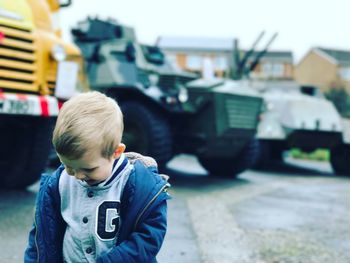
x,y
167,112
296,116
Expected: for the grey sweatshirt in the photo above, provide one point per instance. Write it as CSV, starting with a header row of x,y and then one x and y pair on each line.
x,y
92,213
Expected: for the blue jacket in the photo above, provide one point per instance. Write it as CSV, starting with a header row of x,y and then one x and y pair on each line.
x,y
143,213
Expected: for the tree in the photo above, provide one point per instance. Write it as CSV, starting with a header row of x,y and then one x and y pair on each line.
x,y
341,100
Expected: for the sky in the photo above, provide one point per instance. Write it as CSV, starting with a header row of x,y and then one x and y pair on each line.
x,y
300,24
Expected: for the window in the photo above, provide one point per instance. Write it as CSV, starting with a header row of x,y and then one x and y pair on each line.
x,y
220,63
194,62
344,73
278,70
273,69
172,59
266,68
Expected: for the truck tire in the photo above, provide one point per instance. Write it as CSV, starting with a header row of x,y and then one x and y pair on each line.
x,y
147,132
25,149
340,156
267,152
264,154
231,167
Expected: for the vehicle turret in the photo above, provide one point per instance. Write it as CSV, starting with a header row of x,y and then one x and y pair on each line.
x,y
94,30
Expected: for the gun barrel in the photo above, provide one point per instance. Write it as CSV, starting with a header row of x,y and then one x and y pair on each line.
x,y
262,53
242,63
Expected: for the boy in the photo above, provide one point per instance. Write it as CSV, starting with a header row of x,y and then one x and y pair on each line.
x,y
101,204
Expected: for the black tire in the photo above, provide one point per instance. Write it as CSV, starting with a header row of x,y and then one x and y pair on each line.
x,y
231,167
340,156
25,149
268,152
276,151
147,132
264,154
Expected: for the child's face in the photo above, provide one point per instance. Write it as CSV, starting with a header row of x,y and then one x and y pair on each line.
x,y
92,167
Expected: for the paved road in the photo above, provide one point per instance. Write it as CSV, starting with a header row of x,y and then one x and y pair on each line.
x,y
284,214
289,213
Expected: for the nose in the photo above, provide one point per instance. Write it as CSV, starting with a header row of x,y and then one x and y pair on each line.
x,y
77,174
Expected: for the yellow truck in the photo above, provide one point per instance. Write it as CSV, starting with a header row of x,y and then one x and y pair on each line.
x,y
38,71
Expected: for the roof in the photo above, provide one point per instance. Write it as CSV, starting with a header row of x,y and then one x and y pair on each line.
x,y
342,57
195,43
275,56
178,44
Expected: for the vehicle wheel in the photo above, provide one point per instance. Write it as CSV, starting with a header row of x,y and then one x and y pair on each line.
x,y
263,156
340,156
25,149
276,151
146,132
231,167
268,151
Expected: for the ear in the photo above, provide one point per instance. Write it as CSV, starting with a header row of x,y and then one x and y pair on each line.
x,y
118,152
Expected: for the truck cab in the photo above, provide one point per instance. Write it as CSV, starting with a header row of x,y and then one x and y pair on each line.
x,y
38,70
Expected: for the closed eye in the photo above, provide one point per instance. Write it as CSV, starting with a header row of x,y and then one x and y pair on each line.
x,y
88,170
85,170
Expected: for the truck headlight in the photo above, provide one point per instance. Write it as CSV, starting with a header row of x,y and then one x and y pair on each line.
x,y
58,52
183,94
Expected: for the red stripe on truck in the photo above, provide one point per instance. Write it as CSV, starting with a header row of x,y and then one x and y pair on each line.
x,y
44,105
21,97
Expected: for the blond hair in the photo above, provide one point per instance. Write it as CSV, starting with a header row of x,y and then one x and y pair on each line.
x,y
86,122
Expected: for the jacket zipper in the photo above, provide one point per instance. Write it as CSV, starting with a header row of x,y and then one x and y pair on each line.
x,y
163,189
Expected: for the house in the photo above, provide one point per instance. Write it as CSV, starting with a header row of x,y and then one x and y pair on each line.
x,y
325,68
274,65
195,53
191,53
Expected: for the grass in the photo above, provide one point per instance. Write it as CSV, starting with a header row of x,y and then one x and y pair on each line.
x,y
317,155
